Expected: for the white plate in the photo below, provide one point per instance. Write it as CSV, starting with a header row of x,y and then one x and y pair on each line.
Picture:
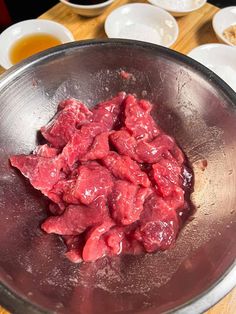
x,y
178,7
222,20
18,30
143,22
219,58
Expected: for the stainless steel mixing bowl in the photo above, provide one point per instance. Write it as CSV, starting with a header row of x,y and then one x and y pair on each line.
x,y
193,105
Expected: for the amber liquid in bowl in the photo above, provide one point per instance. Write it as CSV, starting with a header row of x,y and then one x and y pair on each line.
x,y
31,44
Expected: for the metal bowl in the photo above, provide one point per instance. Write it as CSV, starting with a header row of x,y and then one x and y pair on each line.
x,y
193,105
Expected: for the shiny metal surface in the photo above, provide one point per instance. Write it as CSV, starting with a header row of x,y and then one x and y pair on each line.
x,y
193,105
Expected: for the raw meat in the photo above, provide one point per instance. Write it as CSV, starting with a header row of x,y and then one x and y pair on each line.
x,y
71,115
43,172
158,224
126,202
93,180
80,143
123,167
138,119
74,220
116,182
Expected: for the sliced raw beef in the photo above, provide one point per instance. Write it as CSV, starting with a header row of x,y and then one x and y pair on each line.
x,y
93,180
108,112
46,151
80,142
74,248
126,202
71,115
99,149
151,152
42,172
95,246
158,225
138,119
123,167
116,182
125,144
74,220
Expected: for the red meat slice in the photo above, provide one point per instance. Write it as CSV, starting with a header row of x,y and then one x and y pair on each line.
x,y
61,195
67,188
125,144
138,119
71,115
95,246
75,219
113,239
74,248
122,239
151,152
94,180
126,202
42,172
167,176
158,225
123,167
118,183
178,155
99,148
46,151
80,142
108,112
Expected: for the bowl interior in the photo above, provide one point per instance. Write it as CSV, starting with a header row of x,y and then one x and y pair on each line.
x,y
224,19
220,59
183,6
142,22
191,104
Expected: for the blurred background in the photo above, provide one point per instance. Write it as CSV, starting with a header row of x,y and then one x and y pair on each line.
x,y
12,11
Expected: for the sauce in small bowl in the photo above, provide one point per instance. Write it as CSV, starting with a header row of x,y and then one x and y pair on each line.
x,y
31,44
26,38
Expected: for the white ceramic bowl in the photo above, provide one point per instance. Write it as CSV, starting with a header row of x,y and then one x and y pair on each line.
x,y
222,20
142,22
88,10
219,58
18,30
178,7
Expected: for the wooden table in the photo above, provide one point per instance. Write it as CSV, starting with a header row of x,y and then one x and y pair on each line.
x,y
195,29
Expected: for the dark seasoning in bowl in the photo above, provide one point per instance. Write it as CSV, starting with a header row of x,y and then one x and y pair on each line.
x,y
86,2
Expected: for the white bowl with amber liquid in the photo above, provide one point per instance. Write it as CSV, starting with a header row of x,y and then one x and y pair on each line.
x,y
28,37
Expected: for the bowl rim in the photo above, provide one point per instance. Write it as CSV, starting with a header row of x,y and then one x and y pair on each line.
x,y
210,46
173,10
227,281
148,6
215,23
87,7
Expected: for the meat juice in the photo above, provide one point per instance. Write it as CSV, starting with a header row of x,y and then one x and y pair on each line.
x,y
117,184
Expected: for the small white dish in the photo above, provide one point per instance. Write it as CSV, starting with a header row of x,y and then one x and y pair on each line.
x,y
179,7
88,10
222,20
142,22
219,58
28,27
